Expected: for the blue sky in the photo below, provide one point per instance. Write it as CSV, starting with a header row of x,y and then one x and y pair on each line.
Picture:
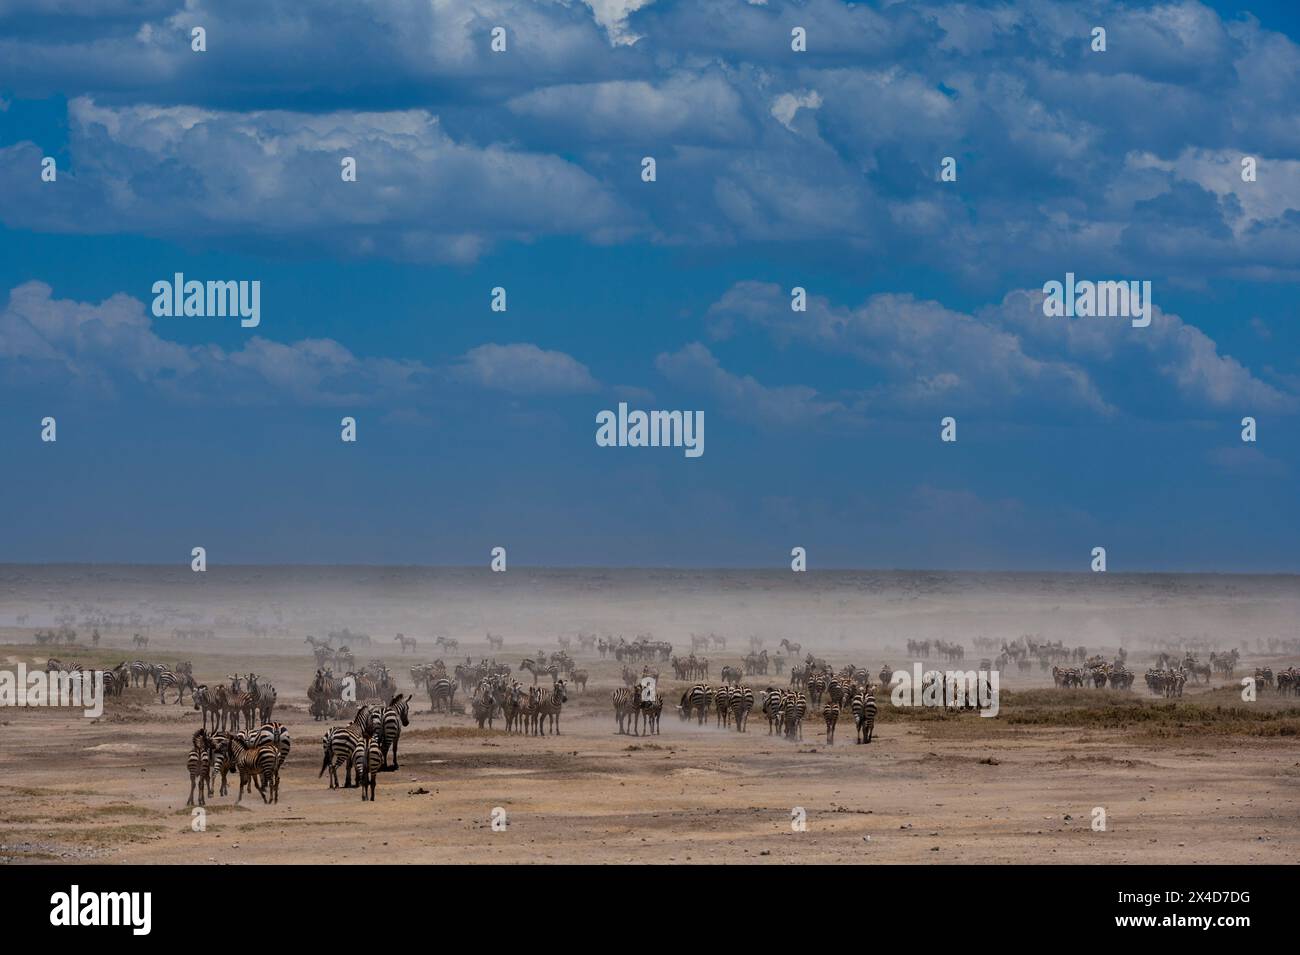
x,y
775,169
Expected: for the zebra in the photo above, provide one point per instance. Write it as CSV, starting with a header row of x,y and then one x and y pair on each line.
x,y
722,706
441,692
864,715
276,734
388,722
624,700
549,706
793,710
697,698
167,679
742,701
831,713
773,707
405,642
512,706
816,687
487,699
221,761
199,763
580,679
340,744
369,763
257,767
654,712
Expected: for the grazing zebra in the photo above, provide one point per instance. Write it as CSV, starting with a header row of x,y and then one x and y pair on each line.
x,y
199,763
864,715
369,763
697,699
831,713
340,744
441,692
549,706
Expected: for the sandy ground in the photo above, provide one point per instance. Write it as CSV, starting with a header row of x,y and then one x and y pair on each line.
x,y
958,791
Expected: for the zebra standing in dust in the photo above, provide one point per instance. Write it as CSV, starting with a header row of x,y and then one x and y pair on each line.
x,y
199,764
388,722
340,744
864,714
831,713
369,762
793,710
441,692
742,701
773,706
624,700
549,706
696,699
257,767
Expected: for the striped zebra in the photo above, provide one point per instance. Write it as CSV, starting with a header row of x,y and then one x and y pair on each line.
x,y
199,764
722,706
266,698
512,707
772,704
549,707
624,700
486,701
697,700
831,714
742,701
793,710
168,680
816,687
221,761
257,767
864,715
653,713
387,722
441,692
369,763
276,734
340,744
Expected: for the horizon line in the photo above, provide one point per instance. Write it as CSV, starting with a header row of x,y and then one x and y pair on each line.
x,y
702,568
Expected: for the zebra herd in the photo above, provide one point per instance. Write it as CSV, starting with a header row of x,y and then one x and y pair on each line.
x,y
528,710
362,747
245,698
331,697
634,706
784,708
1099,674
256,754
